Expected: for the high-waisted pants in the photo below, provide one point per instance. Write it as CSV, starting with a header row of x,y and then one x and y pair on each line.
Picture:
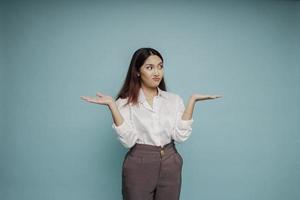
x,y
152,173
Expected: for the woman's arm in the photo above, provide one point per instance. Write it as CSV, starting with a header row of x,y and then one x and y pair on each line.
x,y
107,100
188,112
122,123
121,118
116,115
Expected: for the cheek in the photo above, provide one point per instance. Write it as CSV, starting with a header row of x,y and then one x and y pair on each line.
x,y
146,76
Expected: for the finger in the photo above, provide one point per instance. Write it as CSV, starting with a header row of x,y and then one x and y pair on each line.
x,y
88,98
99,94
91,100
215,97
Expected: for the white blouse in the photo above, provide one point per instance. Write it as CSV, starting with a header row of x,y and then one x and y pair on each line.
x,y
156,125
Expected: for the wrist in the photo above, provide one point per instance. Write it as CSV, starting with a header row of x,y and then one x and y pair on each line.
x,y
187,113
192,98
111,105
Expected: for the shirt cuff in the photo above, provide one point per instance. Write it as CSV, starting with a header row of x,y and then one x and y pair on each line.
x,y
121,129
185,124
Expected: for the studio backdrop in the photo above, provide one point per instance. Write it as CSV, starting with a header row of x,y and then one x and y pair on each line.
x,y
55,146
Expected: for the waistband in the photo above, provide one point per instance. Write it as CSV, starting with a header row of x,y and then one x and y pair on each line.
x,y
143,149
148,147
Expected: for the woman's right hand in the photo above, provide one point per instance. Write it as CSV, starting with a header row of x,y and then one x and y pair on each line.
x,y
99,99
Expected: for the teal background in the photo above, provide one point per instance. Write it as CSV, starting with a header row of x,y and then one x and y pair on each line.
x,y
55,146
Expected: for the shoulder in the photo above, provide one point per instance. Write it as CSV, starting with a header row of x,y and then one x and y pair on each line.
x,y
121,102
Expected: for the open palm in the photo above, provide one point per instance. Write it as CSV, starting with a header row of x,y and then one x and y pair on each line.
x,y
201,97
99,99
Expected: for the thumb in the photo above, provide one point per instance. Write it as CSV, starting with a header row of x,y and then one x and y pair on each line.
x,y
99,94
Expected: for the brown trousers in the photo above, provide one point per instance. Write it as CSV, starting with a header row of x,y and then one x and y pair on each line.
x,y
152,173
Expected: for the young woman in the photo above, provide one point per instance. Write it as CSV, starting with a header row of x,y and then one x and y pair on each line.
x,y
147,120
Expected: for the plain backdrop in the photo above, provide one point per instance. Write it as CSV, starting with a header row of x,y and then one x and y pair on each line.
x,y
55,146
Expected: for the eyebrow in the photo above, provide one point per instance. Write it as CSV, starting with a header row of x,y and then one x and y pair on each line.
x,y
152,64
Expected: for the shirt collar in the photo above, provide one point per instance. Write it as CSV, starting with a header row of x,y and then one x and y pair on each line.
x,y
142,97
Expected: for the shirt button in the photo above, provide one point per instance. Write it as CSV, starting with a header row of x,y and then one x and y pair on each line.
x,y
162,153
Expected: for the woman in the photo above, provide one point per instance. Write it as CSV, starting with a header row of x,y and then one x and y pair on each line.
x,y
147,120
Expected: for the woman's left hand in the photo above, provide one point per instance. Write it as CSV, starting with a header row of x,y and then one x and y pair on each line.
x,y
202,97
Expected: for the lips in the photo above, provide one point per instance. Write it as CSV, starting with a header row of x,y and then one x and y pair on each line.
x,y
156,79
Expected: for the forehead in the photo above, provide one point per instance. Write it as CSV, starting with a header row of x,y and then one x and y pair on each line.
x,y
153,59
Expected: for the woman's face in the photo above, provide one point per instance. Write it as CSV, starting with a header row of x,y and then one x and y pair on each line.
x,y
151,72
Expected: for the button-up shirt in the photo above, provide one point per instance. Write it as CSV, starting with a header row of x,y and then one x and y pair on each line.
x,y
156,125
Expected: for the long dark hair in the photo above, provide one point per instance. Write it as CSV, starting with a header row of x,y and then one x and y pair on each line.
x,y
132,83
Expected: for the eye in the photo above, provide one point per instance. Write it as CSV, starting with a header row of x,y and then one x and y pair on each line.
x,y
161,66
149,67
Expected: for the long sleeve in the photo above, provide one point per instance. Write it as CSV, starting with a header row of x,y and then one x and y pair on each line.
x,y
183,128
126,132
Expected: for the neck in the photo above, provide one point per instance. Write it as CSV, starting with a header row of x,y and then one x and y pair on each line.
x,y
150,92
